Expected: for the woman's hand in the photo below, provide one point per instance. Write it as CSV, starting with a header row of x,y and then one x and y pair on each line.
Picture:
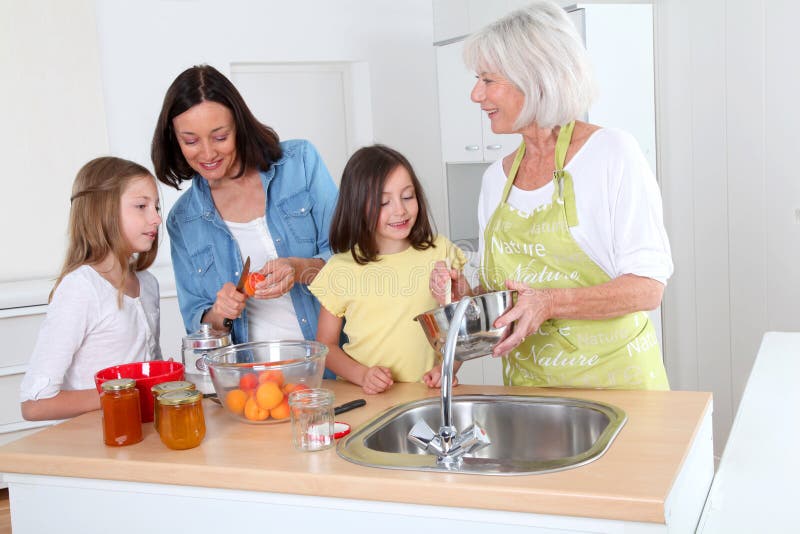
x,y
229,305
533,307
279,277
433,378
443,278
376,379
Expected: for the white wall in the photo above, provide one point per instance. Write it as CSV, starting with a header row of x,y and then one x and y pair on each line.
x,y
145,44
727,89
53,122
86,78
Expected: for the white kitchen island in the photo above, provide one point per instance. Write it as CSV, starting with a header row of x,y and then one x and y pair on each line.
x,y
248,478
756,486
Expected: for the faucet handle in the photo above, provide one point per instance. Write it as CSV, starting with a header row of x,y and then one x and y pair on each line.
x,y
473,439
421,434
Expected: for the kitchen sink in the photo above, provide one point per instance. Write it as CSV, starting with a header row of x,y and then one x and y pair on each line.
x,y
528,434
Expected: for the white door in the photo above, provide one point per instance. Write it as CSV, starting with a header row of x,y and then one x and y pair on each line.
x,y
313,101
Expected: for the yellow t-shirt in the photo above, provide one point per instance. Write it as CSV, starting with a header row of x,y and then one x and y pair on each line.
x,y
379,301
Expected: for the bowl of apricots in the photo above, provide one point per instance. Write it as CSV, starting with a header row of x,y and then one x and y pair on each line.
x,y
253,380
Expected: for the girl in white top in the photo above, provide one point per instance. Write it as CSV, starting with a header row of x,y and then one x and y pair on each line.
x,y
103,308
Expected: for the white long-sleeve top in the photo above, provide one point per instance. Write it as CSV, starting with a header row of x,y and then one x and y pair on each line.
x,y
620,215
86,331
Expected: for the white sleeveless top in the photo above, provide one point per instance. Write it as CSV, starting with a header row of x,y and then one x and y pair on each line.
x,y
267,319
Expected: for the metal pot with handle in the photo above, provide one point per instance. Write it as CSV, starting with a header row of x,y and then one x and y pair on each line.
x,y
197,345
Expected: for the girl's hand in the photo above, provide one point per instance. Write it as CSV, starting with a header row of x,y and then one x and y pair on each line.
x,y
279,277
433,378
229,303
531,310
442,278
377,380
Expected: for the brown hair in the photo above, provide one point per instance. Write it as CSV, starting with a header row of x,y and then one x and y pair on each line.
x,y
355,219
257,145
95,229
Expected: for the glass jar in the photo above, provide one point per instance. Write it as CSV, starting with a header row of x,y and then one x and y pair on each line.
x,y
122,423
312,419
164,387
181,421
194,349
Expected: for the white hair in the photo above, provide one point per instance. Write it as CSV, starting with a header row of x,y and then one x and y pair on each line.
x,y
539,50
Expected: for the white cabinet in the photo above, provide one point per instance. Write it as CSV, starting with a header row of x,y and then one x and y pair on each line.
x,y
456,18
466,131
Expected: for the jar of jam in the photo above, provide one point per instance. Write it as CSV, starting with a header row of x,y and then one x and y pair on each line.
x,y
181,423
122,423
163,387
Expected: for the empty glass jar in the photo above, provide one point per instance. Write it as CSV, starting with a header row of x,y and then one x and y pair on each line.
x,y
312,419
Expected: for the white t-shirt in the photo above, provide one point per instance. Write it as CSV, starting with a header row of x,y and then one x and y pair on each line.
x,y
86,331
620,216
267,319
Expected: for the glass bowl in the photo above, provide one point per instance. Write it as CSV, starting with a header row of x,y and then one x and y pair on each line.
x,y
253,380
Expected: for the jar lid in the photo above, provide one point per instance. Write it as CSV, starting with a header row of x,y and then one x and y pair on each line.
x,y
184,396
118,384
206,339
175,385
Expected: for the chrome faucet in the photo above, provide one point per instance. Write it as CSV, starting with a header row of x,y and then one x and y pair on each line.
x,y
449,445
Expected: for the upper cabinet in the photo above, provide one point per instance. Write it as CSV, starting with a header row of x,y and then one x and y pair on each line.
x,y
456,18
466,131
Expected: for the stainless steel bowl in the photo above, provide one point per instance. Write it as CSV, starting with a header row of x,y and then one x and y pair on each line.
x,y
476,335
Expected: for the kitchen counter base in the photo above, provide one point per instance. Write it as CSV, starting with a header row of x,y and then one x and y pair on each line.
x,y
95,506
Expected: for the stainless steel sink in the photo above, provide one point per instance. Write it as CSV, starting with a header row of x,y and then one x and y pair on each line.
x,y
528,434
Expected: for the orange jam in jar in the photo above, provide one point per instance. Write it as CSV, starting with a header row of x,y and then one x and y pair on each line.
x,y
122,422
164,387
181,421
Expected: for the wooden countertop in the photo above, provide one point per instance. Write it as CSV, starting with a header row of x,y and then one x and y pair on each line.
x,y
630,482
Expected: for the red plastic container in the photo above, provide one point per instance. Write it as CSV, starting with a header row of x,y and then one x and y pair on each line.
x,y
147,375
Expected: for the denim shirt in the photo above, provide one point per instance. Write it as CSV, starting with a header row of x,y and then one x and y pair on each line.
x,y
301,197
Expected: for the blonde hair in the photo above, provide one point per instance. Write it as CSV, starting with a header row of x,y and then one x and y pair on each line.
x,y
94,218
539,50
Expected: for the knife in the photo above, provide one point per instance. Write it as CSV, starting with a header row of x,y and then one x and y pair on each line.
x,y
227,323
347,406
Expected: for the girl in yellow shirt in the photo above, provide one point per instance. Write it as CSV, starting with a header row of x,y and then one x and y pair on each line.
x,y
379,278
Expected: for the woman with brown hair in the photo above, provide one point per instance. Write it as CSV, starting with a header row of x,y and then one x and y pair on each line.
x,y
251,196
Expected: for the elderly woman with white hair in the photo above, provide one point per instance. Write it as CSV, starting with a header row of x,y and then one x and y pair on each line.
x,y
572,220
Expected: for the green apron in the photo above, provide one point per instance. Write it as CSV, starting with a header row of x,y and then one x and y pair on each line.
x,y
538,249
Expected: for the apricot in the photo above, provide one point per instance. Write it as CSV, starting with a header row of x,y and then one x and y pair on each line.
x,y
281,411
235,400
271,376
269,395
289,387
248,381
253,411
250,284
